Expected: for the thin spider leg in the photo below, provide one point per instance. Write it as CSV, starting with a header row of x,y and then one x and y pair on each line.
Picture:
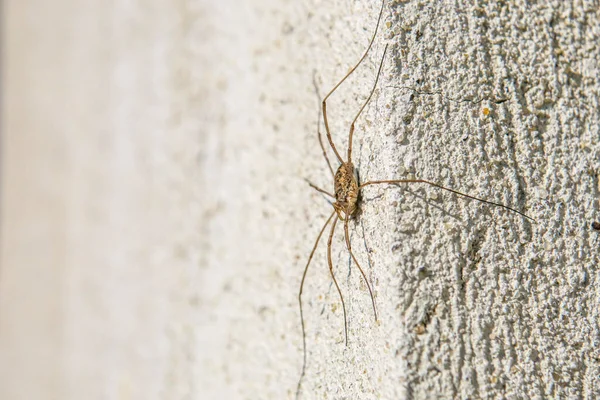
x,y
323,148
445,188
318,189
300,300
364,105
324,103
333,277
349,246
319,135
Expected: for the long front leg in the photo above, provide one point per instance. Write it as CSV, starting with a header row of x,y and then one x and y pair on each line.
x,y
364,105
397,181
324,103
319,127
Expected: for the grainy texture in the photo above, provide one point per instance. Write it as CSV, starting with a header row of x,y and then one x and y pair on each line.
x,y
155,220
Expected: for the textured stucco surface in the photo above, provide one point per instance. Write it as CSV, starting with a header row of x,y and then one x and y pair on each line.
x,y
156,221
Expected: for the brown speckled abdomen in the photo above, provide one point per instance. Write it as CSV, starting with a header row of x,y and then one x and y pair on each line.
x,y
346,190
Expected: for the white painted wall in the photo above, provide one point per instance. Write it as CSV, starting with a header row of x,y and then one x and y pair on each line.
x,y
155,220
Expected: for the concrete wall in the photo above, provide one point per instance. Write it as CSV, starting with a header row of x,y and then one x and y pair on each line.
x,y
155,221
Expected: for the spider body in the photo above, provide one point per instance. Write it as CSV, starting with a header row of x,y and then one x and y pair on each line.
x,y
346,191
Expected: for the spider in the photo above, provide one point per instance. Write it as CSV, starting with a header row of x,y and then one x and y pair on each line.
x,y
346,190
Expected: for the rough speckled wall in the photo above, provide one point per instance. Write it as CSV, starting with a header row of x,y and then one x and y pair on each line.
x,y
155,220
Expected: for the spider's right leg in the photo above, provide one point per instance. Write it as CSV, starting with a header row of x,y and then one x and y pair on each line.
x,y
300,300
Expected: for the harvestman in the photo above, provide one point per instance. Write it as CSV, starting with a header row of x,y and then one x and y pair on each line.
x,y
346,191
